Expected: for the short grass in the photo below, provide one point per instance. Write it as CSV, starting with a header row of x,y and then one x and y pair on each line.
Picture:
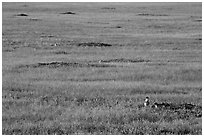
x,y
93,97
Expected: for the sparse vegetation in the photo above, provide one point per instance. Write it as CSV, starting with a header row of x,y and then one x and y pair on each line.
x,y
80,75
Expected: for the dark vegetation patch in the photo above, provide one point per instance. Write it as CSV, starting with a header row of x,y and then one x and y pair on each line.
x,y
176,48
91,102
98,129
149,14
200,39
108,8
21,14
65,64
61,64
93,44
166,27
165,132
25,5
85,128
170,112
47,36
165,90
158,91
14,42
28,117
15,103
8,50
174,106
125,60
34,19
118,27
85,101
177,129
61,52
68,12
178,111
91,22
198,20
89,79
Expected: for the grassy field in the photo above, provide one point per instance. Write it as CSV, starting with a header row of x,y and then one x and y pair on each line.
x,y
86,68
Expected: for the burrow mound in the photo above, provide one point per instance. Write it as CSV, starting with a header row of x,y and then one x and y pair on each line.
x,y
175,106
184,109
68,12
125,60
93,44
21,14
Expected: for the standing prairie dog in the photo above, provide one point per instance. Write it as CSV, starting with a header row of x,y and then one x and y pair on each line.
x,y
146,103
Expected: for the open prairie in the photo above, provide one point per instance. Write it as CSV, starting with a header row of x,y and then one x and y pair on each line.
x,y
86,68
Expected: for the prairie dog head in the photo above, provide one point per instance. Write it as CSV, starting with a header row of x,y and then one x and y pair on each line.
x,y
147,99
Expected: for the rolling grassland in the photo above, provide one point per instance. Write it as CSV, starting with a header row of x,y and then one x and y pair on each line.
x,y
86,68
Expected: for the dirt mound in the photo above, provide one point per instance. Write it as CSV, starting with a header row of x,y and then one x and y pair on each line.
x,y
68,12
93,44
22,14
174,106
184,109
125,60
